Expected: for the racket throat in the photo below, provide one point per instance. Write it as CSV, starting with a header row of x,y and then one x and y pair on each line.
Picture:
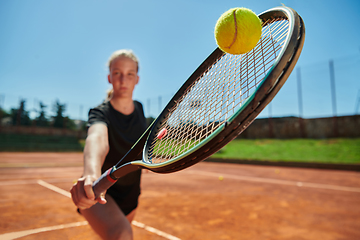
x,y
110,176
125,169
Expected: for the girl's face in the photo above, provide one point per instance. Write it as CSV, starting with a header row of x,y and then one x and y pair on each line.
x,y
123,77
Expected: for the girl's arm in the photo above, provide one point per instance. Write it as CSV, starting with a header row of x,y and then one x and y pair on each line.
x,y
95,151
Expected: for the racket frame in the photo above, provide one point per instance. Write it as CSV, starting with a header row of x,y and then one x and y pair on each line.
x,y
245,115
227,131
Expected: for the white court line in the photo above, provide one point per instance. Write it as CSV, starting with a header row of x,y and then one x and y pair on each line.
x,y
15,235
277,181
154,230
17,182
135,223
21,182
54,188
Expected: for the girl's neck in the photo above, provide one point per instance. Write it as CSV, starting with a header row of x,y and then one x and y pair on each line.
x,y
124,105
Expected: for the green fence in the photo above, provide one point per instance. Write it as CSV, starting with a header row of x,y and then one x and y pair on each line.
x,y
27,142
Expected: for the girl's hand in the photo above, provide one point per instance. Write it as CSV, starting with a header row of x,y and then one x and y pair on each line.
x,y
83,195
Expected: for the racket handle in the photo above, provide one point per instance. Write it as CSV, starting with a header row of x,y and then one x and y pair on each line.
x,y
103,183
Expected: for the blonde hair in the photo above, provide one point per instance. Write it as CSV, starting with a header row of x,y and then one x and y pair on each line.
x,y
121,53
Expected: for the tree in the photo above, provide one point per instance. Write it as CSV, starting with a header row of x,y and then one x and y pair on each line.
x,y
20,116
149,120
69,123
59,119
3,114
41,120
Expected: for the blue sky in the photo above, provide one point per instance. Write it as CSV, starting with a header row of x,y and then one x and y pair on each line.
x,y
58,50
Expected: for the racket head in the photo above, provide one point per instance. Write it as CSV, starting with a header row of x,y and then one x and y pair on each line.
x,y
224,96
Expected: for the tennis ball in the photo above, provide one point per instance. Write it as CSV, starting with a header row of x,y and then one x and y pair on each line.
x,y
238,30
221,178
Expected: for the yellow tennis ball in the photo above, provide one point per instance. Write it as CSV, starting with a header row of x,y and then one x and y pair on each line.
x,y
221,178
238,30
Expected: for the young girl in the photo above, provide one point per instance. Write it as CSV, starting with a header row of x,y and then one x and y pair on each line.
x,y
114,126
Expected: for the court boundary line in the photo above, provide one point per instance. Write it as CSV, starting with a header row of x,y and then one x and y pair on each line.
x,y
154,230
54,188
26,182
135,223
19,234
278,181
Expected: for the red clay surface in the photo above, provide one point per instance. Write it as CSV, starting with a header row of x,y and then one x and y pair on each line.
x,y
251,202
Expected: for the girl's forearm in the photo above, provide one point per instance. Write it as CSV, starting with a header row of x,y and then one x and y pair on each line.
x,y
95,151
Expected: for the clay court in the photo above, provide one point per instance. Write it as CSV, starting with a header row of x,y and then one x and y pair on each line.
x,y
250,202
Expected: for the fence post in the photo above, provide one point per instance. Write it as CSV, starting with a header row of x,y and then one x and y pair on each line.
x,y
271,126
333,97
301,120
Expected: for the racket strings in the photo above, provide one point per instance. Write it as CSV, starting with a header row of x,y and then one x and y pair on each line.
x,y
218,94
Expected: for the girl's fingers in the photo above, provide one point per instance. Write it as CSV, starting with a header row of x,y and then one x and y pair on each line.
x,y
102,199
88,188
79,195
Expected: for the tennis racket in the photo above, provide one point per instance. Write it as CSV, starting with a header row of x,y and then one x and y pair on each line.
x,y
218,101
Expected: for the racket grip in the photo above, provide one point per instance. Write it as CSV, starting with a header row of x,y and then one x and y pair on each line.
x,y
103,183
